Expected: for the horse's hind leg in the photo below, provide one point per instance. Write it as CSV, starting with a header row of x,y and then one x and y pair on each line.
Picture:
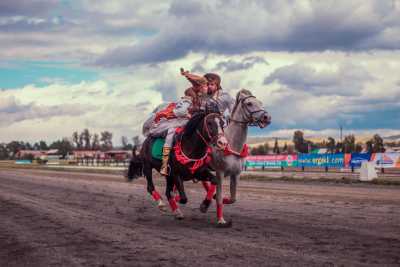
x,y
182,198
152,190
171,199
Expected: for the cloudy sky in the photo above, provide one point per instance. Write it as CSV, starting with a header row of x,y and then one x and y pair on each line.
x,y
66,65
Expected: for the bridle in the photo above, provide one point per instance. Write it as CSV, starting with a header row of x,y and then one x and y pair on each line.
x,y
249,119
212,139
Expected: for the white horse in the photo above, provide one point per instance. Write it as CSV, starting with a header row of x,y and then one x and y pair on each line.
x,y
247,111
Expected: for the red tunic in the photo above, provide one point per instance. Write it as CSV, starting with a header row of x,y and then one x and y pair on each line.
x,y
167,113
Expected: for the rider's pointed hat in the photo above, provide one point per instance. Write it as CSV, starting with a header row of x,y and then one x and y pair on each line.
x,y
194,79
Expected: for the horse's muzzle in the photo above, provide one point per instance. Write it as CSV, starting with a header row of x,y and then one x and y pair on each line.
x,y
265,120
222,142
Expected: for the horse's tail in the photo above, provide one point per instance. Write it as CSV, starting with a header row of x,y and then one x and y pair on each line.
x,y
135,169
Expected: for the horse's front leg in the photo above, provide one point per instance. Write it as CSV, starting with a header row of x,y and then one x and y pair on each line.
x,y
171,199
233,189
220,218
210,188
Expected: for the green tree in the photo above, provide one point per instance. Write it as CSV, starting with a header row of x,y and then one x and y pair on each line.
x,y
370,146
36,146
125,144
76,140
64,147
285,148
349,144
3,152
43,145
300,143
358,148
260,150
276,147
95,142
28,146
331,145
136,141
13,147
106,140
85,137
376,144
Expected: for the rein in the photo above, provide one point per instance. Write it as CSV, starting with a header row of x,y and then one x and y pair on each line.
x,y
249,120
211,138
195,164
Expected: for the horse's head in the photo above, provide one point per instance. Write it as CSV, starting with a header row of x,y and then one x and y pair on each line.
x,y
209,127
212,130
248,109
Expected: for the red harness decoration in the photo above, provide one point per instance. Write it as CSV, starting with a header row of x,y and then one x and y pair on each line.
x,y
167,113
244,153
192,164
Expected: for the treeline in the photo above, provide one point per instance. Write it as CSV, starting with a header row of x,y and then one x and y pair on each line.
x,y
348,145
84,140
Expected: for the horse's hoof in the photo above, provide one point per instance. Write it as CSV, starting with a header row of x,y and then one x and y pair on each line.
x,y
179,215
205,205
228,201
162,207
224,224
126,176
183,200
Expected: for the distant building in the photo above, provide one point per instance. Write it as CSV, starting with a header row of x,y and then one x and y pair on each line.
x,y
87,154
97,154
37,154
119,154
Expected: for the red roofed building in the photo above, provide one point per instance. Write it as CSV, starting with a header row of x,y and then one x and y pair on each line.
x,y
35,153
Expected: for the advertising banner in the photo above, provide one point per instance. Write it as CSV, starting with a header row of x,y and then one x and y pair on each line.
x,y
347,159
321,160
272,161
254,161
358,158
386,160
335,160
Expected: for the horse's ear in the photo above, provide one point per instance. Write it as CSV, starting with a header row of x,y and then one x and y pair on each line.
x,y
238,96
245,92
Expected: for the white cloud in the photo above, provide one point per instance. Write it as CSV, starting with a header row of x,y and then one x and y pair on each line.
x,y
56,110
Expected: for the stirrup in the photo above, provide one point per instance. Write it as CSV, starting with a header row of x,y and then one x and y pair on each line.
x,y
168,171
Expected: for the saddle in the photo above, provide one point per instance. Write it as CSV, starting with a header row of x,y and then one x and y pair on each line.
x,y
157,148
159,141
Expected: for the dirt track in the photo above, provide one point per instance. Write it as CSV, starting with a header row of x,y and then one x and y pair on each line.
x,y
75,219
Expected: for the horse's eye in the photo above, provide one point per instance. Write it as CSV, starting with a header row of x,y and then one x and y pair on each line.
x,y
249,104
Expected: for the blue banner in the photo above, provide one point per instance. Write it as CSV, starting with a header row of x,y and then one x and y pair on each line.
x,y
321,160
358,158
23,161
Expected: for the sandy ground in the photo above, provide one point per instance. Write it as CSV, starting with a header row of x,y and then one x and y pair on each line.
x,y
52,218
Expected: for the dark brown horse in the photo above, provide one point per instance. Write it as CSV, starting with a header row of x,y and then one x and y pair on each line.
x,y
188,161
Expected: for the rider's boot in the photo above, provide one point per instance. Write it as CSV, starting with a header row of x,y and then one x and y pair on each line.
x,y
165,158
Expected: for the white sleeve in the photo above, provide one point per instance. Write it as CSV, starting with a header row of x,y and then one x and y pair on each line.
x,y
182,108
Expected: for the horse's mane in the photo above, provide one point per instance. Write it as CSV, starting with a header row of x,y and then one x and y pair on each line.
x,y
241,92
244,92
193,123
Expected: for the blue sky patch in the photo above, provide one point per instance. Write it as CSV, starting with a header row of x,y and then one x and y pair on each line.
x,y
16,74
